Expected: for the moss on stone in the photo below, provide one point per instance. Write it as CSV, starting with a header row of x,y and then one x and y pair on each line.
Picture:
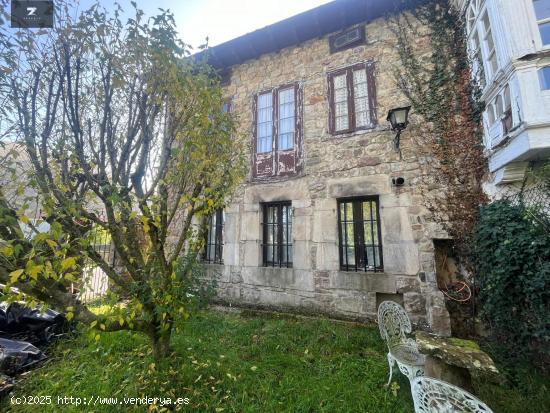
x,y
463,343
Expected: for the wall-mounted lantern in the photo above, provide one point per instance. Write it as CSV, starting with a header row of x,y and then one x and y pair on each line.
x,y
399,119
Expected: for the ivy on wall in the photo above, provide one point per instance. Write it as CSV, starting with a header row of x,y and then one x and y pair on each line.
x,y
513,263
440,88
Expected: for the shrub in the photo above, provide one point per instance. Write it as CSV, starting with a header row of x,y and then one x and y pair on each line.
x,y
513,272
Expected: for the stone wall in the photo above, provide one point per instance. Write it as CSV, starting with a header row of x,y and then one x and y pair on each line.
x,y
357,164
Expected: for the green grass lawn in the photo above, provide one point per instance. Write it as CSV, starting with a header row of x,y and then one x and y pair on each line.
x,y
238,363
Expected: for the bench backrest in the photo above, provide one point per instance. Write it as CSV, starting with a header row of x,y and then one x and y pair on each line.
x,y
393,322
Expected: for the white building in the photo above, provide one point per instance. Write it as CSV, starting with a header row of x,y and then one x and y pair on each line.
x,y
509,41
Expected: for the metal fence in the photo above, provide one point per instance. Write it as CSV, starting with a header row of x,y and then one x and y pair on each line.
x,y
95,283
535,200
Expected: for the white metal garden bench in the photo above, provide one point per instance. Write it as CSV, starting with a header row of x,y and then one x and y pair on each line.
x,y
394,326
436,396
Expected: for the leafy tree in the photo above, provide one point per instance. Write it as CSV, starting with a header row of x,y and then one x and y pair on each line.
x,y
124,132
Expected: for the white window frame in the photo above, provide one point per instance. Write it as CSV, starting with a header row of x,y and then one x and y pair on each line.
x,y
478,8
495,116
538,23
541,78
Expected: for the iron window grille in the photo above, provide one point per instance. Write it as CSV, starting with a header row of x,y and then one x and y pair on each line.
x,y
277,234
213,251
360,237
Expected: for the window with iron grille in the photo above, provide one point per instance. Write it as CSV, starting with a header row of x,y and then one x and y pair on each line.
x,y
277,234
360,235
352,98
213,251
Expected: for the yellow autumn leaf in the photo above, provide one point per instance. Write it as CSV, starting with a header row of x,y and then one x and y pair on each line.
x,y
145,222
51,243
69,316
70,277
68,262
7,250
14,275
34,270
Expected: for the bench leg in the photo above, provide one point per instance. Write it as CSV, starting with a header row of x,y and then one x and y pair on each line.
x,y
391,362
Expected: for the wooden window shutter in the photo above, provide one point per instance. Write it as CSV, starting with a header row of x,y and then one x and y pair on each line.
x,y
372,93
288,160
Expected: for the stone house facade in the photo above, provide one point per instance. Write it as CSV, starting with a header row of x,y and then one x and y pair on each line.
x,y
320,225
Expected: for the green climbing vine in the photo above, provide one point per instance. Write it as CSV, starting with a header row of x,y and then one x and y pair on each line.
x,y
440,88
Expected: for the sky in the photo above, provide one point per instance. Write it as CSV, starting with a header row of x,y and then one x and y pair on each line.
x,y
220,20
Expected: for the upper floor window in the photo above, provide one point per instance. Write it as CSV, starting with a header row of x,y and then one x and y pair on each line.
x,y
352,98
500,108
277,234
491,57
478,59
544,77
542,12
360,234
213,251
481,41
277,131
507,119
347,39
499,117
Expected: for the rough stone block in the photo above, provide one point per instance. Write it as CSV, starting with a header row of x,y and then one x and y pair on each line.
x,y
415,303
271,192
369,304
350,305
327,257
405,284
231,228
282,278
301,228
250,226
252,253
236,277
395,224
363,282
359,186
231,253
400,258
325,204
395,199
301,255
325,226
